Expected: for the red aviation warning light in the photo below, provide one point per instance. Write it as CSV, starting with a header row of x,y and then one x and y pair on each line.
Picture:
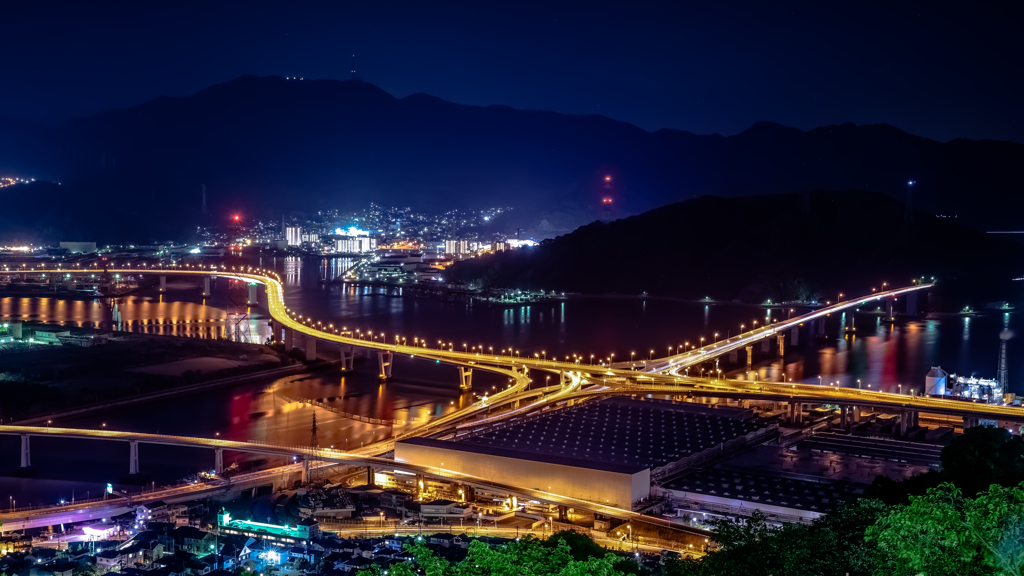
x,y
236,217
607,201
607,178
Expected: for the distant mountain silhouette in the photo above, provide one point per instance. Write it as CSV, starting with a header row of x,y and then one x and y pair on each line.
x,y
778,246
262,145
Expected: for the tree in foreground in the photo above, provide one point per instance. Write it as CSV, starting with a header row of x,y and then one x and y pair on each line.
x,y
944,533
525,557
832,544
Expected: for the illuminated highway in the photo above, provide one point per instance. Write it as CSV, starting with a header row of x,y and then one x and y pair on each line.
x,y
619,377
660,376
323,455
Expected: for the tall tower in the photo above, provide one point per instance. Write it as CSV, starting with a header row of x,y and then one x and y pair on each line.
x,y
1002,376
314,477
606,199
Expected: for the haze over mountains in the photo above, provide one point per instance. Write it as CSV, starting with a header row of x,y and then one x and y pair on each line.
x,y
265,145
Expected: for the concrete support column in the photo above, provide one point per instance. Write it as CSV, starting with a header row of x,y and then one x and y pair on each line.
x,y
218,460
799,413
310,348
163,283
133,457
750,356
844,412
289,336
916,422
563,513
305,469
744,403
465,378
794,336
370,478
348,357
782,344
384,359
564,378
206,286
904,417
856,414
26,453
254,292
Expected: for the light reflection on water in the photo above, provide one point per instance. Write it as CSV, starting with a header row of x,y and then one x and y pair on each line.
x,y
880,354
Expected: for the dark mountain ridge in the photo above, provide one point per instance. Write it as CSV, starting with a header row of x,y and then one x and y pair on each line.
x,y
263,145
780,247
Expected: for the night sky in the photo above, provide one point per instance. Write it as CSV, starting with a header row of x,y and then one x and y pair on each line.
x,y
935,70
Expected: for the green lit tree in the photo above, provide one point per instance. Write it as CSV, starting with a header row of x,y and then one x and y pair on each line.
x,y
943,533
526,557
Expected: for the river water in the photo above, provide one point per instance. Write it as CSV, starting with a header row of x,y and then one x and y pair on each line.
x,y
891,356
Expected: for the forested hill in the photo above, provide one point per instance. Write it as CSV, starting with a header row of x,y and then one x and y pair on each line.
x,y
782,247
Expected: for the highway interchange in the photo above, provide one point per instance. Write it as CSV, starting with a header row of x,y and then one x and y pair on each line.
x,y
577,380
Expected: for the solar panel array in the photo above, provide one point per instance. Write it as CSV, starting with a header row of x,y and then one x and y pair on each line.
x,y
621,431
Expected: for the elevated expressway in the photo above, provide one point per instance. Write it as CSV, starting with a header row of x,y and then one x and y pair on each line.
x,y
660,376
664,375
74,513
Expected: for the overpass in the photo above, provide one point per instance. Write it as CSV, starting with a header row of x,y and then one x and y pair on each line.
x,y
48,516
661,376
618,377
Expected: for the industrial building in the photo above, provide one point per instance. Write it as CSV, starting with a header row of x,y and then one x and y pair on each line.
x,y
606,451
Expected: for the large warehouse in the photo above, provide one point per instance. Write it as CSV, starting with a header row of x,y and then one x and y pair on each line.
x,y
602,452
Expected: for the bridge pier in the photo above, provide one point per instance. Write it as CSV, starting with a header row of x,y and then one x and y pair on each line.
x,y
903,424
253,294
163,283
844,412
750,357
218,460
305,469
563,513
465,378
782,344
384,359
289,336
348,358
370,478
970,422
856,414
26,453
310,349
133,457
206,286
564,378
